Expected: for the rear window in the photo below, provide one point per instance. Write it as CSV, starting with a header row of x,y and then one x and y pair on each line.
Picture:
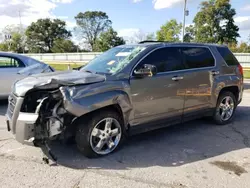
x,y
228,56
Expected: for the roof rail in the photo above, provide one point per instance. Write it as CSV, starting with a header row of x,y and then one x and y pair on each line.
x,y
148,41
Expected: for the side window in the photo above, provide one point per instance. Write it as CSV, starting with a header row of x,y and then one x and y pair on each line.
x,y
197,57
8,62
228,56
165,59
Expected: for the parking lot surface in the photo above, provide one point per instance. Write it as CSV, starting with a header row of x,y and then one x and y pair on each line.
x,y
195,154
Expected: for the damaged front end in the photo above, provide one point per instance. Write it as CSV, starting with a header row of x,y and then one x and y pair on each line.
x,y
48,107
36,111
42,117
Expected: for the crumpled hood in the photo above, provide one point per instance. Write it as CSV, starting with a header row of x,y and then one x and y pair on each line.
x,y
55,80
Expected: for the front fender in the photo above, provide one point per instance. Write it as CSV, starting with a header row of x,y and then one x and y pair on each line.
x,y
80,104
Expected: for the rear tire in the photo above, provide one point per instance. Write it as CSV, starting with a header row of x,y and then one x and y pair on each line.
x,y
100,133
225,108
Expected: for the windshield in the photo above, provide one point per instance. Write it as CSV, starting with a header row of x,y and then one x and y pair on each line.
x,y
113,60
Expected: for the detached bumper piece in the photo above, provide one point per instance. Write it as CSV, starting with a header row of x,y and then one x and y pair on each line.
x,y
25,125
8,125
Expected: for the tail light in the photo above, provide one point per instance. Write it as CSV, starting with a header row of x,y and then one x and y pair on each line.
x,y
240,70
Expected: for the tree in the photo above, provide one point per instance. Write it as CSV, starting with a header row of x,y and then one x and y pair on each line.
x,y
13,39
4,46
42,34
170,31
13,44
233,47
138,36
243,48
214,22
108,40
90,25
63,46
150,36
17,43
189,34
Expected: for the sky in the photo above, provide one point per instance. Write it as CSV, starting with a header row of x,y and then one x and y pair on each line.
x,y
128,16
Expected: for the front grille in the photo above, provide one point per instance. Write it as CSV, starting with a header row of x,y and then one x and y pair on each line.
x,y
12,104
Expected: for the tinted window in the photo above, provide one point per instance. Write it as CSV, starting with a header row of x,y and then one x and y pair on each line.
x,y
228,56
165,59
197,57
8,62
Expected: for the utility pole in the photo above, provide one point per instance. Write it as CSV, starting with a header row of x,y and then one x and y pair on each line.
x,y
185,13
20,20
21,28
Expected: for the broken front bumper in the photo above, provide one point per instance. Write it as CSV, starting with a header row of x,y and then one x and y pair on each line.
x,y
24,132
19,123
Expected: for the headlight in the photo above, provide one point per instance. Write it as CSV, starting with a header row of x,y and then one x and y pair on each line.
x,y
13,87
71,90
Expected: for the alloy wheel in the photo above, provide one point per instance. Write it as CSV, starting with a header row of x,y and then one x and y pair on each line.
x,y
105,136
226,108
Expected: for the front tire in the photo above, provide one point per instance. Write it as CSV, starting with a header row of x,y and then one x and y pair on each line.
x,y
225,108
99,134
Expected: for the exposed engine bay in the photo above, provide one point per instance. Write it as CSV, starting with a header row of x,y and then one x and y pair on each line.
x,y
52,117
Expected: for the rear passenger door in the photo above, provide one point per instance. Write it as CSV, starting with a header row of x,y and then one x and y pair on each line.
x,y
198,79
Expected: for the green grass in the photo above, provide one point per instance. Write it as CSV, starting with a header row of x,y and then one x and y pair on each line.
x,y
247,74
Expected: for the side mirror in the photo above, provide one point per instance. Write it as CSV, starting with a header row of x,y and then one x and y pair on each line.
x,y
146,70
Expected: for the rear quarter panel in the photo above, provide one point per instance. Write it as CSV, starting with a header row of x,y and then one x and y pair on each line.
x,y
229,76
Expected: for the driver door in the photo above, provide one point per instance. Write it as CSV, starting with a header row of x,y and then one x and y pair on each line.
x,y
159,97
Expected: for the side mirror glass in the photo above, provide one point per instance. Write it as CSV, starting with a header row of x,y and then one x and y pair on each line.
x,y
146,70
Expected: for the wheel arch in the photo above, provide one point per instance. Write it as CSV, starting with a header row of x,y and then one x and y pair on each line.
x,y
233,89
113,107
117,101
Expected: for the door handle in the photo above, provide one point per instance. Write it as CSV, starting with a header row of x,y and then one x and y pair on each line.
x,y
176,78
214,73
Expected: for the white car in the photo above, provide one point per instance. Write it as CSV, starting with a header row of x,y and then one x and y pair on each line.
x,y
16,66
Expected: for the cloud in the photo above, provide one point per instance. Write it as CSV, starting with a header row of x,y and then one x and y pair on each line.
x,y
133,35
70,24
243,22
136,1
160,4
62,1
128,32
246,8
29,10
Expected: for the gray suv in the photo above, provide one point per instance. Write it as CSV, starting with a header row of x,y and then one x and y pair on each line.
x,y
127,90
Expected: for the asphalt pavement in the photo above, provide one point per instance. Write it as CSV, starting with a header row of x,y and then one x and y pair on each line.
x,y
197,154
